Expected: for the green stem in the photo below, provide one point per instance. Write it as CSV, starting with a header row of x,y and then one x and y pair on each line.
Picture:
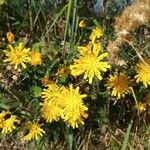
x,y
30,17
73,20
76,28
67,21
55,20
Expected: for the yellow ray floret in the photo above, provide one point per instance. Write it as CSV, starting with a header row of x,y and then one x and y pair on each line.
x,y
51,92
50,111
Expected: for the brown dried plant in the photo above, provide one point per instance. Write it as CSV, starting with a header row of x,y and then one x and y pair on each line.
x,y
132,17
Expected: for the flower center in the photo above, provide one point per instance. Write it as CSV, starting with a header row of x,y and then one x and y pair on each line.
x,y
121,83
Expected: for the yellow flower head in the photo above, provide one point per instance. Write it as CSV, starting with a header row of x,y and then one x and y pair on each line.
x,y
50,111
35,58
63,71
90,63
141,107
97,32
17,56
7,121
34,131
90,48
120,84
82,24
74,110
51,93
143,72
10,36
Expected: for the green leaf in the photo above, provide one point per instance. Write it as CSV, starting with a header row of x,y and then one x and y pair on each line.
x,y
69,136
38,45
37,91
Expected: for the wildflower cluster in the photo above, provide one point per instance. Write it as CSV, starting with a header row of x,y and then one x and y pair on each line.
x,y
18,56
55,100
65,103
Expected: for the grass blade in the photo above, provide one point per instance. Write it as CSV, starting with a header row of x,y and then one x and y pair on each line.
x,y
73,20
126,138
67,21
55,20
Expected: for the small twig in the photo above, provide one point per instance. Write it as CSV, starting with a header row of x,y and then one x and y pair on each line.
x,y
12,94
133,94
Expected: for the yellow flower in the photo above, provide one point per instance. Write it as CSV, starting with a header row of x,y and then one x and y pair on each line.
x,y
51,106
97,32
63,102
143,72
63,71
10,36
51,92
120,84
35,58
90,64
91,47
7,121
74,110
82,24
34,131
141,107
50,111
17,56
